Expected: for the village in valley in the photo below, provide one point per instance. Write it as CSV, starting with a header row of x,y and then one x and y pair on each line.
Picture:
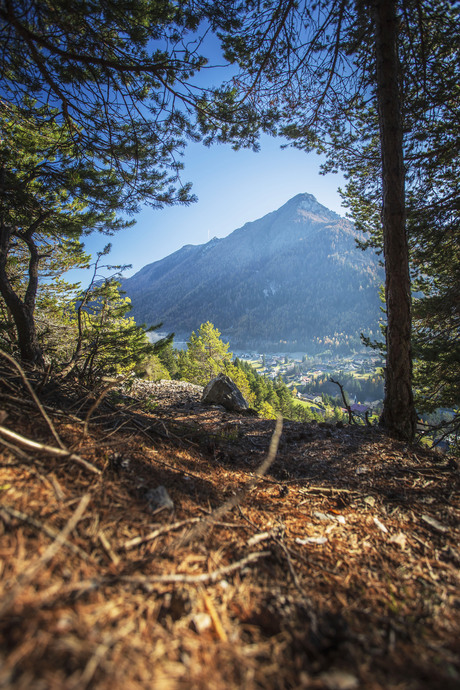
x,y
309,378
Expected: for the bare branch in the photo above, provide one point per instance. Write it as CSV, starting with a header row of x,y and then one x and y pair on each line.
x,y
34,396
43,448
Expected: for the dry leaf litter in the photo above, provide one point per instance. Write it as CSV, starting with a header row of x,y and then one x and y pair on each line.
x,y
153,553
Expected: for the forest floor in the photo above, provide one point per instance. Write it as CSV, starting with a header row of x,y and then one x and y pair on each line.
x,y
336,569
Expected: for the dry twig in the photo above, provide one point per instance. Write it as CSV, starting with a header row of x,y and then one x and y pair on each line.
x,y
34,396
43,448
175,578
33,570
137,541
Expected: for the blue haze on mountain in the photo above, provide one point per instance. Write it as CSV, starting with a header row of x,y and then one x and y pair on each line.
x,y
284,281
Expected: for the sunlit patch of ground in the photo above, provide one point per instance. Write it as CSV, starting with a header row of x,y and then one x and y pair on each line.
x,y
338,569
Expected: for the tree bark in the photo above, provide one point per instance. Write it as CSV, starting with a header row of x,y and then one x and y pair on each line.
x,y
22,312
398,415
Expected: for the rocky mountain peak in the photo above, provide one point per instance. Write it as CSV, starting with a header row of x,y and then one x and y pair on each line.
x,y
307,203
290,277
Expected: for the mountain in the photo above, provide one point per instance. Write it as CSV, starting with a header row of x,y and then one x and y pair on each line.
x,y
284,281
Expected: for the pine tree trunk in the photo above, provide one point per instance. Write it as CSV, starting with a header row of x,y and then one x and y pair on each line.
x,y
29,347
398,407
22,312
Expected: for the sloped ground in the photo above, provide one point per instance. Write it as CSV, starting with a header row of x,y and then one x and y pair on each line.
x,y
336,570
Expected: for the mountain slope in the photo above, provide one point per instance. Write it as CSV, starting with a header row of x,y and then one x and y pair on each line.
x,y
294,275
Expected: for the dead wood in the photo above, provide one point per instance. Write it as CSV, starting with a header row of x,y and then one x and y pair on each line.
x,y
338,568
16,364
49,450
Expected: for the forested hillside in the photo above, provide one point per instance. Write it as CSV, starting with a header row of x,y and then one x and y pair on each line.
x,y
148,539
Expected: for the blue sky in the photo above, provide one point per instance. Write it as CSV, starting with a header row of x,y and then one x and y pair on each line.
x,y
233,187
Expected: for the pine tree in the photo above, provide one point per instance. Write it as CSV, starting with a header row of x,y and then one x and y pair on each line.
x,y
120,75
112,342
107,341
46,204
336,77
206,355
97,102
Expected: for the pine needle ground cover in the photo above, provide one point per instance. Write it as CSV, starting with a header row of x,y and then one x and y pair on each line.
x,y
337,569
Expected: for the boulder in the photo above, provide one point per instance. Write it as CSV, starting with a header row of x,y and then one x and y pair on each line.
x,y
222,391
158,499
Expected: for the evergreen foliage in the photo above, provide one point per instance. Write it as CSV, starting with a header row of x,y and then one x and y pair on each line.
x,y
168,359
430,113
432,117
120,75
49,199
375,86
55,327
97,102
155,370
112,342
87,334
108,341
207,355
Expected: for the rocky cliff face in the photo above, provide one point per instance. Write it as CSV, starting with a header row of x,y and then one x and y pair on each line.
x,y
293,276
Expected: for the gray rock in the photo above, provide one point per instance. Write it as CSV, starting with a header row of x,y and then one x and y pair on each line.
x,y
222,391
158,499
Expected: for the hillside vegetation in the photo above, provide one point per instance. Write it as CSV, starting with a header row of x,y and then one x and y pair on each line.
x,y
149,540
336,566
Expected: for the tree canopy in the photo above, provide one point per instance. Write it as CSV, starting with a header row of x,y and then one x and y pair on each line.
x,y
121,77
49,196
96,105
98,101
353,80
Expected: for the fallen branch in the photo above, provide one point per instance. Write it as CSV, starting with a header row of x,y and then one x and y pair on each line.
x,y
197,579
328,490
137,541
43,448
35,398
58,591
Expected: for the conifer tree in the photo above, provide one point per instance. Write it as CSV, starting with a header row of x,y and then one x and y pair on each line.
x,y
54,314
107,341
335,77
207,355
120,74
96,105
48,199
112,342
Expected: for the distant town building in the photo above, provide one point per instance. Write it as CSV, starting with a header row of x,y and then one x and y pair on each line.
x,y
359,409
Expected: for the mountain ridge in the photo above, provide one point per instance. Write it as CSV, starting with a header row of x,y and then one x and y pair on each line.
x,y
293,275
